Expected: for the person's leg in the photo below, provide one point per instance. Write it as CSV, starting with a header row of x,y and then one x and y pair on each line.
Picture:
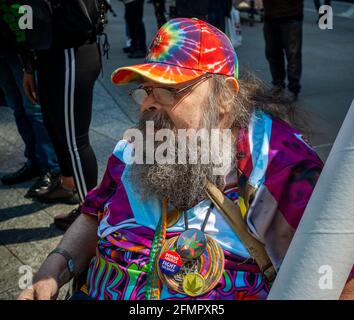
x,y
128,42
83,71
87,67
53,84
129,17
140,27
292,39
68,112
274,52
13,99
216,14
137,28
44,150
217,19
159,6
317,4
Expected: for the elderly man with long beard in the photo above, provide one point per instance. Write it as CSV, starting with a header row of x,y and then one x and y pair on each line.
x,y
151,230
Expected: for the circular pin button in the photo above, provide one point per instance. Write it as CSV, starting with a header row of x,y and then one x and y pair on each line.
x,y
170,262
193,284
191,243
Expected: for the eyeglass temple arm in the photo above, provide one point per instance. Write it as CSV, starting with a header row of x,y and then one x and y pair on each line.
x,y
194,83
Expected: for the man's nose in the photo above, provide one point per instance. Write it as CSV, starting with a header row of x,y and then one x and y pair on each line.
x,y
150,104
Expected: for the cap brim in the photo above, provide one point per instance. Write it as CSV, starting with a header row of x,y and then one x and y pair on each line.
x,y
158,72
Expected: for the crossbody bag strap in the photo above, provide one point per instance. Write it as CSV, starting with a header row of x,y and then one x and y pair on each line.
x,y
231,212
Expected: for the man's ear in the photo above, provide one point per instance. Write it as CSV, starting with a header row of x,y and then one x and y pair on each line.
x,y
233,84
225,108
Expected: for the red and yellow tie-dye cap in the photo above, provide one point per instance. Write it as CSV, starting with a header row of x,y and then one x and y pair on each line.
x,y
182,50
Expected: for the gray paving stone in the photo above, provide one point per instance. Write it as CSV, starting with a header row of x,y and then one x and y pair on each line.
x,y
8,130
11,156
9,266
10,294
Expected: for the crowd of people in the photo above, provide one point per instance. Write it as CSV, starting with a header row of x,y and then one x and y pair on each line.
x,y
126,227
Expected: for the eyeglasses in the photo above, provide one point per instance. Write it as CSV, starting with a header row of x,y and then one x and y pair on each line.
x,y
166,96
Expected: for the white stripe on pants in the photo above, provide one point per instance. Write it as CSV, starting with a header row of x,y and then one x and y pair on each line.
x,y
70,122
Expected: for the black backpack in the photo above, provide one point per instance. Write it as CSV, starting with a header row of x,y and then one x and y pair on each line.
x,y
56,23
76,22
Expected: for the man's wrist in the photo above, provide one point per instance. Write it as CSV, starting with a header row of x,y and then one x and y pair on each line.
x,y
55,266
70,264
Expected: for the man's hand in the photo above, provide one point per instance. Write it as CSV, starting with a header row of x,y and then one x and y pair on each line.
x,y
45,289
80,241
29,87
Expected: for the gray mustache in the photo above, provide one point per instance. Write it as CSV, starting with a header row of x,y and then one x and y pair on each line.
x,y
161,120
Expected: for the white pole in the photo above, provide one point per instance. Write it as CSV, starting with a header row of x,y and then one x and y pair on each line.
x,y
321,253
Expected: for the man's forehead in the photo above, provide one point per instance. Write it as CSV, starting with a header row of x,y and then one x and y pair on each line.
x,y
150,83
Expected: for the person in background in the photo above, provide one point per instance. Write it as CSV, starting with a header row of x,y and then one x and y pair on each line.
x,y
128,40
160,11
67,72
41,158
134,12
283,39
212,11
217,11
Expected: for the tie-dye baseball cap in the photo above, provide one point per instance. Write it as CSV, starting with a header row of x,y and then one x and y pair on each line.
x,y
182,50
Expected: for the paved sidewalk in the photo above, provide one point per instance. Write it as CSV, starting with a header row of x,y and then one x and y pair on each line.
x,y
26,230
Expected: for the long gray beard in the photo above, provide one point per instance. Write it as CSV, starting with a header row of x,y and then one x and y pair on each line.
x,y
182,184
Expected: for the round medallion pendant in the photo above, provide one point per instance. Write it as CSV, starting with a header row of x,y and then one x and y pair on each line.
x,y
209,265
191,243
193,284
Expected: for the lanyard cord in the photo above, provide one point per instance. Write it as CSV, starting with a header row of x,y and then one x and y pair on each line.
x,y
205,219
153,281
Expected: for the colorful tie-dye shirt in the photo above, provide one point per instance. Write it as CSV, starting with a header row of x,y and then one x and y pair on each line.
x,y
278,165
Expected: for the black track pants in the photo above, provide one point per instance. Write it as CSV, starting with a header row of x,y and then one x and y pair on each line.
x,y
66,79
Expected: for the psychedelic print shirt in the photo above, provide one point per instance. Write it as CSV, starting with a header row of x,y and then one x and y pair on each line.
x,y
275,161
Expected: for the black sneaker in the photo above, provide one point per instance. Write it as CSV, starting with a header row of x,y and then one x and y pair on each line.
x,y
24,174
58,194
137,54
64,221
44,184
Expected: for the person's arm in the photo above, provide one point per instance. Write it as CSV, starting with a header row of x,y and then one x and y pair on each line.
x,y
28,58
80,241
29,87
